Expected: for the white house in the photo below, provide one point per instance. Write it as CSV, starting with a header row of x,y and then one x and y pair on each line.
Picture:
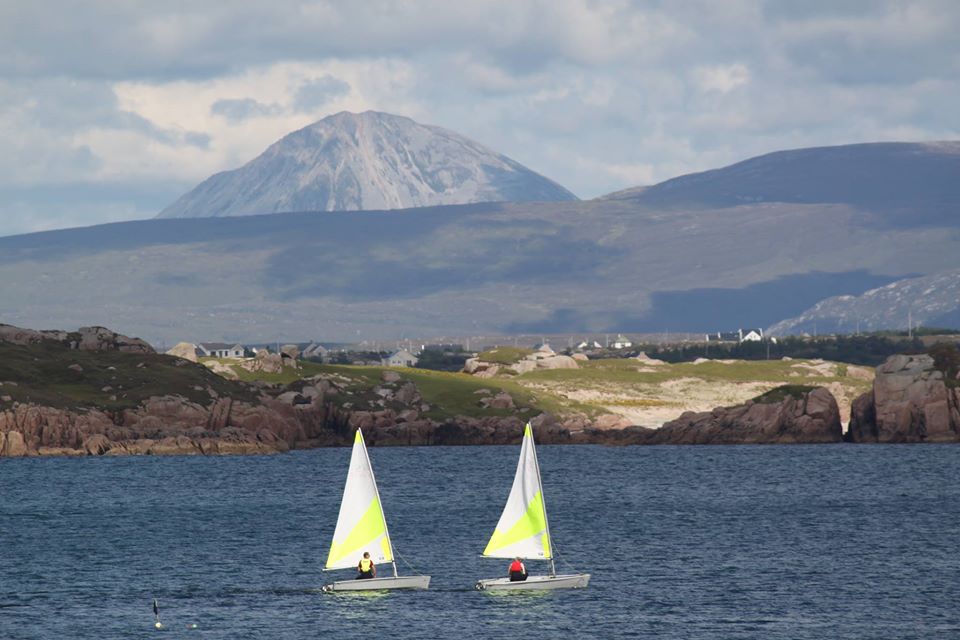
x,y
402,358
621,342
315,351
220,350
752,335
544,349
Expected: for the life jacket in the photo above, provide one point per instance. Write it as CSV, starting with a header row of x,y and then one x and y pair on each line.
x,y
516,565
366,565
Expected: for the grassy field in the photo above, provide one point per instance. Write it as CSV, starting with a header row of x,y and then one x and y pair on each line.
x,y
456,394
505,355
635,372
652,394
642,393
51,374
111,380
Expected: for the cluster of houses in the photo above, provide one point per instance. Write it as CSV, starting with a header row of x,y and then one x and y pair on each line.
x,y
620,342
407,358
752,335
313,351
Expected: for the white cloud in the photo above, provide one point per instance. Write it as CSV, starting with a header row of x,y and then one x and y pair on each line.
x,y
722,79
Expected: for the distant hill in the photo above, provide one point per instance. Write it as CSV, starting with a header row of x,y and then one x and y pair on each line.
x,y
903,184
621,264
365,161
933,301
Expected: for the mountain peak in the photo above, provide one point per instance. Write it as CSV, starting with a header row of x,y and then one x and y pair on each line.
x,y
366,161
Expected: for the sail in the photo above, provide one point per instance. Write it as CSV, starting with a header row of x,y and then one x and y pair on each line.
x,y
361,525
522,530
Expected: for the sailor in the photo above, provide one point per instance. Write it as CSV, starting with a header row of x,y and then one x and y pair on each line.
x,y
518,572
365,568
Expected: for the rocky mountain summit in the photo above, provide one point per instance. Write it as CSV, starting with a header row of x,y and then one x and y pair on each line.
x,y
365,161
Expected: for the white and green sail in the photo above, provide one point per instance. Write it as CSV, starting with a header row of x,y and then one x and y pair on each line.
x,y
523,530
361,525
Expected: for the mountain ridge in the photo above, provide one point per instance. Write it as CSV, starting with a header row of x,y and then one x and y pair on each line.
x,y
932,300
615,265
883,177
366,161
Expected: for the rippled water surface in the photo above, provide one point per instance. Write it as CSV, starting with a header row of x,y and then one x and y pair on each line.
x,y
793,542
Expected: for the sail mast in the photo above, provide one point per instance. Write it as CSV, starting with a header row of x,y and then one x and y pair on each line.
x,y
376,489
546,519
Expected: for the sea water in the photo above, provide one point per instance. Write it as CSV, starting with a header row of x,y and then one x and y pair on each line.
x,y
829,541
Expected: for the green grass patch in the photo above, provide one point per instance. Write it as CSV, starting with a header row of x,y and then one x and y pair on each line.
x,y
289,375
781,393
640,403
505,355
599,372
451,394
110,380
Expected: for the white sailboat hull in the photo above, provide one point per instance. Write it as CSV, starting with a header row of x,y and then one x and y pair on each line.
x,y
379,584
535,583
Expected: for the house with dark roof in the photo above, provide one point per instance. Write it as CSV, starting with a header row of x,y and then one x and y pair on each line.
x,y
220,350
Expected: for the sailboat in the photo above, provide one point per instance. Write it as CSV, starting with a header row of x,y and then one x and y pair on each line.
x,y
523,530
362,527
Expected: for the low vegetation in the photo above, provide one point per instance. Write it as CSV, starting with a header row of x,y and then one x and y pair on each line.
x,y
453,394
53,375
778,395
870,350
643,393
946,358
505,355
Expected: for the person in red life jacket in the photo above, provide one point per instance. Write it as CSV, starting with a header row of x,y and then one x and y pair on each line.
x,y
365,568
518,572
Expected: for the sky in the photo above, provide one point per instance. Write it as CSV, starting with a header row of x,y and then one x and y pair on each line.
x,y
109,110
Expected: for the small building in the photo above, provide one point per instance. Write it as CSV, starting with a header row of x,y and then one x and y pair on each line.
x,y
220,350
724,336
315,351
752,335
401,358
621,342
544,349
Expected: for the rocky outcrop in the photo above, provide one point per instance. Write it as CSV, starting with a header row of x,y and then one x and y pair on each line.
x,y
544,358
168,425
645,359
783,416
481,369
83,339
267,362
911,401
185,350
502,400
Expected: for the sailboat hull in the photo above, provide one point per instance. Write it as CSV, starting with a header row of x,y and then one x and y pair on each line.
x,y
535,583
379,584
